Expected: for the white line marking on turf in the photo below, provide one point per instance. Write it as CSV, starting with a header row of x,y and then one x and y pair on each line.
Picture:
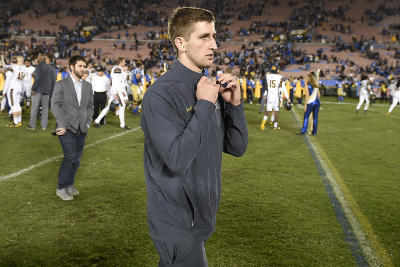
x,y
15,174
365,243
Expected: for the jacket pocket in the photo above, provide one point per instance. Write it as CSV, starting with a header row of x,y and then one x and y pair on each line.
x,y
190,203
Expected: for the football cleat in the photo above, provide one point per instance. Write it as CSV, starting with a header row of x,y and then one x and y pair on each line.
x,y
365,111
271,122
12,125
126,128
388,113
277,128
96,125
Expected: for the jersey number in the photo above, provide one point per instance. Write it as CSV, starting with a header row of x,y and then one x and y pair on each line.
x,y
21,76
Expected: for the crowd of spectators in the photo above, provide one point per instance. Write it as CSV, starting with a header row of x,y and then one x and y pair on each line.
x,y
272,46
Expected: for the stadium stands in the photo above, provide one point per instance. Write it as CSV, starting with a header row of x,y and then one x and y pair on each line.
x,y
252,36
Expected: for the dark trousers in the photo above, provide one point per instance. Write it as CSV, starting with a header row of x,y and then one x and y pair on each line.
x,y
291,96
261,96
99,102
300,99
181,254
249,95
72,145
315,109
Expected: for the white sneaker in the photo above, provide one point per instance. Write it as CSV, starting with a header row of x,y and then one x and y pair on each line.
x,y
64,194
72,190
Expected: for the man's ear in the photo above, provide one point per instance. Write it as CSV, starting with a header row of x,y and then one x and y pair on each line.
x,y
180,44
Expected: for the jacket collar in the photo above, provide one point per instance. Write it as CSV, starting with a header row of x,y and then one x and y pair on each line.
x,y
187,75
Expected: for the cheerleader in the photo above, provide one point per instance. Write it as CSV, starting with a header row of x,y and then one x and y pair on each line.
x,y
312,103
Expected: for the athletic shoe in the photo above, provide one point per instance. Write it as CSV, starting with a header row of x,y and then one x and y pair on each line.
x,y
96,124
19,124
271,122
357,111
126,128
2,112
388,113
277,128
262,127
64,194
12,125
72,190
30,128
103,123
365,111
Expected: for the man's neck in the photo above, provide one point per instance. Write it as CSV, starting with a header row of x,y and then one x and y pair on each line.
x,y
75,77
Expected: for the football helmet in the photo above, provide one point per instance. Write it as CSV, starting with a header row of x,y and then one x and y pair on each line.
x,y
287,105
113,105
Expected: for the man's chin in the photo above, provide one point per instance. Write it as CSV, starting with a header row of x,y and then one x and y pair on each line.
x,y
208,64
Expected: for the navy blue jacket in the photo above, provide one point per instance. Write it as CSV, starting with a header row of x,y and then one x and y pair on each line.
x,y
45,78
184,141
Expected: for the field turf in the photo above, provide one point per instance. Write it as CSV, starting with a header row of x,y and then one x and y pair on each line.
x,y
276,209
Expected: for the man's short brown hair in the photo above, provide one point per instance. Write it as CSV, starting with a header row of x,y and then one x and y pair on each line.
x,y
119,60
74,59
182,20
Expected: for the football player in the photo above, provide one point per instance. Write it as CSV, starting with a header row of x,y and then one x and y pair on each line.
x,y
364,91
274,88
14,86
137,90
396,97
117,93
28,79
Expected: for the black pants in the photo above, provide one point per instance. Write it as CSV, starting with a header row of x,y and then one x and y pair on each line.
x,y
181,254
99,102
291,96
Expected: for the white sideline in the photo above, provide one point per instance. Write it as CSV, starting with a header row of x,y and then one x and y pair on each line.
x,y
14,174
371,257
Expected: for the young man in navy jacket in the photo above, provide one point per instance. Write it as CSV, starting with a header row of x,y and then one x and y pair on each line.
x,y
189,120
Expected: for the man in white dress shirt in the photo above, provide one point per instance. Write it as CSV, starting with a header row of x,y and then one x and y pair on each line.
x,y
101,89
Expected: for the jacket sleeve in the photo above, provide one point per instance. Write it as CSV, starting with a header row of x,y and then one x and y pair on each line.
x,y
236,133
38,74
56,105
177,143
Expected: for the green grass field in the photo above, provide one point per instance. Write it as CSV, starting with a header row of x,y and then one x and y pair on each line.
x,y
275,209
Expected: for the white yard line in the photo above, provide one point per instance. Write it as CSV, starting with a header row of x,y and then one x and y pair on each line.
x,y
372,250
17,173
